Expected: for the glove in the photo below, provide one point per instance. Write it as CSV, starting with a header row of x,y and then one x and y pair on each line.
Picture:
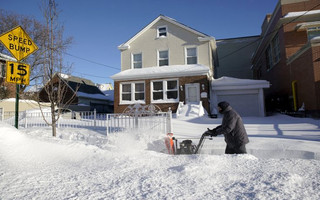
x,y
211,133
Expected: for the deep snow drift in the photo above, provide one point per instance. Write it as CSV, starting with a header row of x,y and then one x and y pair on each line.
x,y
283,163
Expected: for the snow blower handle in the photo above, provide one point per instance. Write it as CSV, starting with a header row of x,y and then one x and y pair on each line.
x,y
210,132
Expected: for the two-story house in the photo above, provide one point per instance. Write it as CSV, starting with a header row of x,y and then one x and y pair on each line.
x,y
165,63
288,56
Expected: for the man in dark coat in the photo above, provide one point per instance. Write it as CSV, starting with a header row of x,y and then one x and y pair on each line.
x,y
233,130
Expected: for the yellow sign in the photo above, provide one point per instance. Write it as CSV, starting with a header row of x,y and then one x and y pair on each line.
x,y
18,73
18,42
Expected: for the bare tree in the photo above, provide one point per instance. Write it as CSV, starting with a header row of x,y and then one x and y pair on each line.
x,y
52,67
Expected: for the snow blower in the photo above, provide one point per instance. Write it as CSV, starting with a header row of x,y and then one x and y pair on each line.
x,y
184,147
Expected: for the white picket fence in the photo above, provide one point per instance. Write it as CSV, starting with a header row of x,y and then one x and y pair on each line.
x,y
157,122
72,120
112,123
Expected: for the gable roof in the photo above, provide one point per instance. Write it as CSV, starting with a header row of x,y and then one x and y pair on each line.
x,y
202,36
80,84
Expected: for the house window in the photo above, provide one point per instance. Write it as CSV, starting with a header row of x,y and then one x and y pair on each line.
x,y
157,90
137,60
273,52
275,49
313,32
164,91
2,70
191,55
269,58
132,92
163,58
162,31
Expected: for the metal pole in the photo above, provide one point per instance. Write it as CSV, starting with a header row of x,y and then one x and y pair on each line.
x,y
16,122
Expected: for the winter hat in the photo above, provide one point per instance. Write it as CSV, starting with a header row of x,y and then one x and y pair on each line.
x,y
223,105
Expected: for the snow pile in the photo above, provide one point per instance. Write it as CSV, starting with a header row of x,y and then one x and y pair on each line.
x,y
85,164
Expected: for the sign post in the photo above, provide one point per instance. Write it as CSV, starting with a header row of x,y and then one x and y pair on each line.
x,y
20,45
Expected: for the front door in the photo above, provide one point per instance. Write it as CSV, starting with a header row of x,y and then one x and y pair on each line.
x,y
192,93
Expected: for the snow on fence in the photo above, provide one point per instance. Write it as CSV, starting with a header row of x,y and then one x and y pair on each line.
x,y
155,122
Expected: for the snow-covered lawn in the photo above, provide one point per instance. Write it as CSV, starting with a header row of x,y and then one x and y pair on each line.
x,y
283,163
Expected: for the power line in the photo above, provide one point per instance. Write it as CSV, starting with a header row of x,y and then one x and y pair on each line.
x,y
276,30
94,62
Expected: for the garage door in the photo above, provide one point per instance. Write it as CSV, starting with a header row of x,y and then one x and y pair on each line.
x,y
245,104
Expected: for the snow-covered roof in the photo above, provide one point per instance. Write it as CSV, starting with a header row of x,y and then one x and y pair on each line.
x,y
34,88
162,72
302,13
202,37
92,96
6,57
225,82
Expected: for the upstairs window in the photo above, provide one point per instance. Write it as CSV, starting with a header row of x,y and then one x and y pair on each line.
x,y
191,55
273,52
313,32
163,58
162,31
137,61
275,49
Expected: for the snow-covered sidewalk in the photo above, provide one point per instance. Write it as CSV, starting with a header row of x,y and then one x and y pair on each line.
x,y
84,164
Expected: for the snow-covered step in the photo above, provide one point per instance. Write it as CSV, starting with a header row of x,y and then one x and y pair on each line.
x,y
190,110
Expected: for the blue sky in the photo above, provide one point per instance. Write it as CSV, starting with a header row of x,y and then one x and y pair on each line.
x,y
100,26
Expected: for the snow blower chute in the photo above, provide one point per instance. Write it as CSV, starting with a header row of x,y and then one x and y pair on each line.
x,y
184,147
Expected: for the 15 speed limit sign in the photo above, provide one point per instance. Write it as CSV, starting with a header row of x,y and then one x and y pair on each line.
x,y
18,73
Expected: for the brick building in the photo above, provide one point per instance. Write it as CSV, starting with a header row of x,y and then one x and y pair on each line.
x,y
7,90
288,56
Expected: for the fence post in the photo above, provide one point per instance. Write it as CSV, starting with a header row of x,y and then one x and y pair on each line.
x,y
59,121
107,124
169,121
94,117
25,119
1,114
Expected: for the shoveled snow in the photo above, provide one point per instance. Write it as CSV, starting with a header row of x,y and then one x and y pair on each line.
x,y
162,72
283,163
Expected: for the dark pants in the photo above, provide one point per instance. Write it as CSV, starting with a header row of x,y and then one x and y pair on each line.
x,y
236,150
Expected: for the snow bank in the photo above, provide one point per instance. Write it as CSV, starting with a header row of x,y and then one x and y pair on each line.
x,y
85,164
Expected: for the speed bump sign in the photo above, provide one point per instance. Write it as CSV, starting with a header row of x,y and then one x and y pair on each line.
x,y
18,42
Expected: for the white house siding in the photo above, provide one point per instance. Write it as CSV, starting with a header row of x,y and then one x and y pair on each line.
x,y
177,39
